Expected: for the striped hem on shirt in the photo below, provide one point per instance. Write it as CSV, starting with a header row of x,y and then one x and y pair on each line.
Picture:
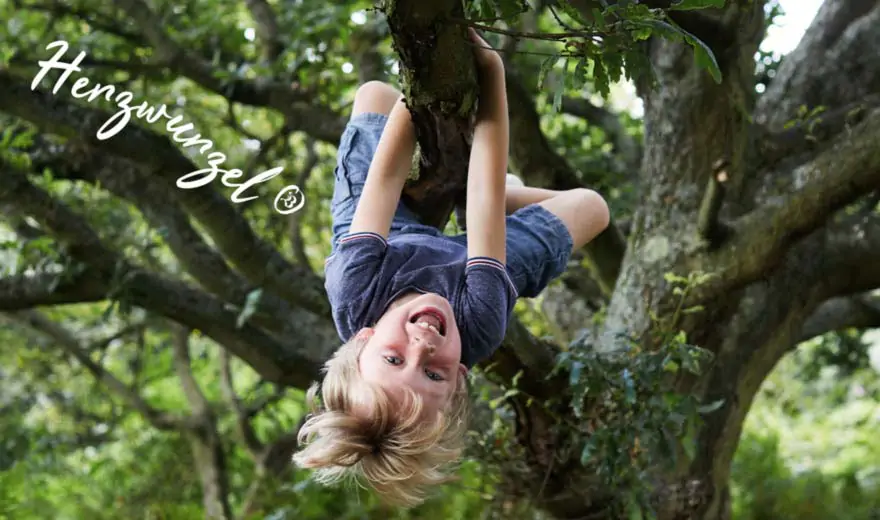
x,y
363,234
491,262
356,236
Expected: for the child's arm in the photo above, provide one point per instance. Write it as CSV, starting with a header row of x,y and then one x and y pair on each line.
x,y
487,171
387,175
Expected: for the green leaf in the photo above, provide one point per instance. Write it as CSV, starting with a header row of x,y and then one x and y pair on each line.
x,y
674,278
580,73
586,453
629,388
511,8
693,310
575,374
546,66
706,59
711,407
575,15
689,5
600,79
703,55
689,442
681,337
250,307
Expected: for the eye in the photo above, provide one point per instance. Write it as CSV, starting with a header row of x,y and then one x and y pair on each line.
x,y
393,360
433,376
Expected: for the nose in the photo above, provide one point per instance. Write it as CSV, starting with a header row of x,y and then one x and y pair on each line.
x,y
425,344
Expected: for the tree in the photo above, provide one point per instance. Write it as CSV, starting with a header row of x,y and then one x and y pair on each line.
x,y
757,224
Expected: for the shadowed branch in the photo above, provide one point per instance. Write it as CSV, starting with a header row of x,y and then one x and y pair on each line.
x,y
855,312
67,341
231,233
175,300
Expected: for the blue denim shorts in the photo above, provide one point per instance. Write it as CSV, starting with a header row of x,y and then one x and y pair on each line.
x,y
538,243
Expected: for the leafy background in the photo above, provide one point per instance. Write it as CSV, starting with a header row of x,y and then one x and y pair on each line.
x,y
70,450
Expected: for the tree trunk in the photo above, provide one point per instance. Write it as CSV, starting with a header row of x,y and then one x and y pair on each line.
x,y
764,209
709,206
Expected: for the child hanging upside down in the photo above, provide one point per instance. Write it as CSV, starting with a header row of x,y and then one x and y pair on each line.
x,y
416,308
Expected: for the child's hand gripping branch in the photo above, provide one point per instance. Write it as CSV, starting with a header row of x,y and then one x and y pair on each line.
x,y
417,308
487,172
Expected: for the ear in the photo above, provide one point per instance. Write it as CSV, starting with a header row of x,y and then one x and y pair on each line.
x,y
462,370
365,333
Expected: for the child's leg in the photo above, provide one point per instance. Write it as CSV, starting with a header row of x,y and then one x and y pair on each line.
x,y
522,196
584,213
373,102
375,97
544,229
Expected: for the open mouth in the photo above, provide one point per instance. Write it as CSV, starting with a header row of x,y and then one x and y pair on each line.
x,y
430,319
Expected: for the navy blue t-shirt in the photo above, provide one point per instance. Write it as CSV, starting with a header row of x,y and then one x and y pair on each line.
x,y
367,272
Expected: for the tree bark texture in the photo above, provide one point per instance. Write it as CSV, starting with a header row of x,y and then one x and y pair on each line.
x,y
766,219
768,211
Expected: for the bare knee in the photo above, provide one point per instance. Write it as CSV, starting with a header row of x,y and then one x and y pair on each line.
x,y
375,97
584,213
594,209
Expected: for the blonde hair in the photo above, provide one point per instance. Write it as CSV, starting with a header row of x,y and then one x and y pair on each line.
x,y
394,449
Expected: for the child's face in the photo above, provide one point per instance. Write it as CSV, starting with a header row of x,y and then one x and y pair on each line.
x,y
415,343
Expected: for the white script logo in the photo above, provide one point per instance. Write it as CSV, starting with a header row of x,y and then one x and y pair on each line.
x,y
289,200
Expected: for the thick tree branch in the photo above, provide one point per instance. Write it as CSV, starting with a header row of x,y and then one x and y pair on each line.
x,y
523,352
851,256
291,361
830,67
859,312
155,202
790,145
847,170
232,234
23,291
66,340
304,115
441,91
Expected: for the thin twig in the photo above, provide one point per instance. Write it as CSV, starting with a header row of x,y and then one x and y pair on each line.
x,y
295,220
242,420
530,35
